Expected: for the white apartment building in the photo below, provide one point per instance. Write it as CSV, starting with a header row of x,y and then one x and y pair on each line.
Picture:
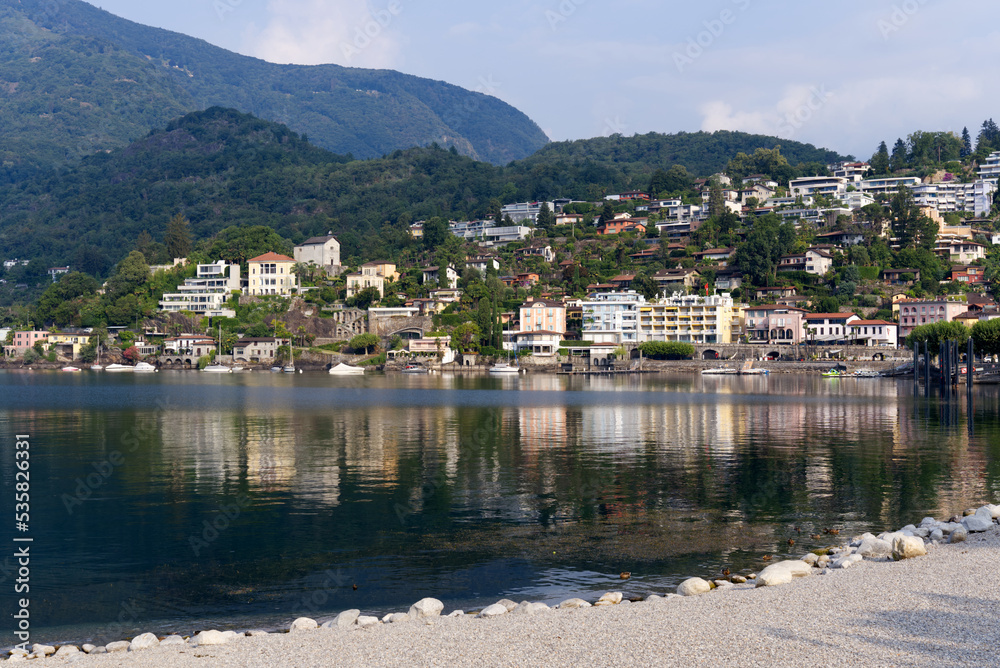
x,y
888,185
688,318
525,211
207,292
501,236
826,186
991,168
854,172
612,317
952,197
873,333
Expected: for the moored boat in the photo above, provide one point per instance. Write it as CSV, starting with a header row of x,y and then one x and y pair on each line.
x,y
119,368
217,368
70,369
346,370
144,367
504,369
414,368
725,371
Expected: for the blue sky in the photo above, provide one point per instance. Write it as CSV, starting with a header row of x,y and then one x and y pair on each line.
x,y
843,75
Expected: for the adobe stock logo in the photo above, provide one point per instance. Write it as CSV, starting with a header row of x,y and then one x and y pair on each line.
x,y
714,29
794,120
899,17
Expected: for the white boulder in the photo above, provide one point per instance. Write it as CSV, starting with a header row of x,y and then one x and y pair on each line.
x,y
366,621
873,548
783,572
303,624
494,610
507,603
426,607
848,561
172,640
119,646
907,547
693,587
344,620
526,608
611,598
573,603
212,637
67,650
395,617
144,641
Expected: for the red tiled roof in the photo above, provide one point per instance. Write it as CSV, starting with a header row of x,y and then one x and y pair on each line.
x,y
272,257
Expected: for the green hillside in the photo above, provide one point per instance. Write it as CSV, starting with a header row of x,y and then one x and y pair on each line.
x,y
75,79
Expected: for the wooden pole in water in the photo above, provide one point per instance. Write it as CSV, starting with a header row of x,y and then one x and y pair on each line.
x,y
970,367
916,364
927,370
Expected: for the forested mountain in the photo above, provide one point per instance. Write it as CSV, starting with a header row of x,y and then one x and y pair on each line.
x,y
632,160
75,79
220,167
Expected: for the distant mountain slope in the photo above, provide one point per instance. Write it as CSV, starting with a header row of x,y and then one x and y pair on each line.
x,y
702,153
221,167
74,78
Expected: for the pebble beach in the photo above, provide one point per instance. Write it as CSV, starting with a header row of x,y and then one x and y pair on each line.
x,y
900,608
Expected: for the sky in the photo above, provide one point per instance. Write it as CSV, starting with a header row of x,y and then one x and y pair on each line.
x,y
843,75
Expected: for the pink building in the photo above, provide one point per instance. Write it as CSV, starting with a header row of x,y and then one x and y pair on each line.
x,y
543,323
916,312
774,324
24,340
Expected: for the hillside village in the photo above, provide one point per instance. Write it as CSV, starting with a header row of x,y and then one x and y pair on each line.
x,y
854,256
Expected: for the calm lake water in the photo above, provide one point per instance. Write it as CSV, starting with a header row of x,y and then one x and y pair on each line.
x,y
181,501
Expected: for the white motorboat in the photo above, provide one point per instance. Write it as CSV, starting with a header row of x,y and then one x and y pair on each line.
x,y
290,368
144,367
119,368
70,369
217,368
346,370
414,368
719,372
504,369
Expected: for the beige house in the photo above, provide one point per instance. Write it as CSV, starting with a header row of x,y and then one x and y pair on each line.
x,y
543,324
258,350
373,275
271,274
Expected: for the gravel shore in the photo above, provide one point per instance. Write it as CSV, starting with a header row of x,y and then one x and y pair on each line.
x,y
938,609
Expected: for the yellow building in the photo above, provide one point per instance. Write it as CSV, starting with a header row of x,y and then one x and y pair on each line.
x,y
271,274
69,345
690,318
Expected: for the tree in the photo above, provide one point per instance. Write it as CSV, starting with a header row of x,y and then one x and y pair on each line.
x,y
935,333
363,342
768,240
667,349
546,219
966,143
658,183
364,299
986,337
178,237
237,244
899,158
716,199
57,302
131,354
989,137
608,212
911,227
465,337
646,286
880,161
435,232
130,275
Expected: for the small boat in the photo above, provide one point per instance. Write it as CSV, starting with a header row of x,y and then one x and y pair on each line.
x,y
414,368
237,368
96,366
719,372
504,369
119,368
144,367
755,372
217,368
346,370
290,368
275,369
867,373
835,373
70,369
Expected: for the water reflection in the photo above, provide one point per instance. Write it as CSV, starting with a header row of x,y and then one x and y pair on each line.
x,y
466,488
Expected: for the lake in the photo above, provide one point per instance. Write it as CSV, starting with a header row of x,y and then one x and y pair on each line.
x,y
180,501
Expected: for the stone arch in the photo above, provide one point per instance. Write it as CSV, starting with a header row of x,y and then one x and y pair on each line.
x,y
710,355
773,355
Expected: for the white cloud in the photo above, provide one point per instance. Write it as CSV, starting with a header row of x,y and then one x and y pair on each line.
x,y
346,32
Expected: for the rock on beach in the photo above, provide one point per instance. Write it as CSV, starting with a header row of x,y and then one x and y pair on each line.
x,y
907,547
426,607
783,572
693,587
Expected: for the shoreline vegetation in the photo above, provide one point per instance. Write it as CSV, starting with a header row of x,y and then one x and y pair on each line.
x,y
917,596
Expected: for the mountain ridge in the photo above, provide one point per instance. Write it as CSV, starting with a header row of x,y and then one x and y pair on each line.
x,y
67,52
